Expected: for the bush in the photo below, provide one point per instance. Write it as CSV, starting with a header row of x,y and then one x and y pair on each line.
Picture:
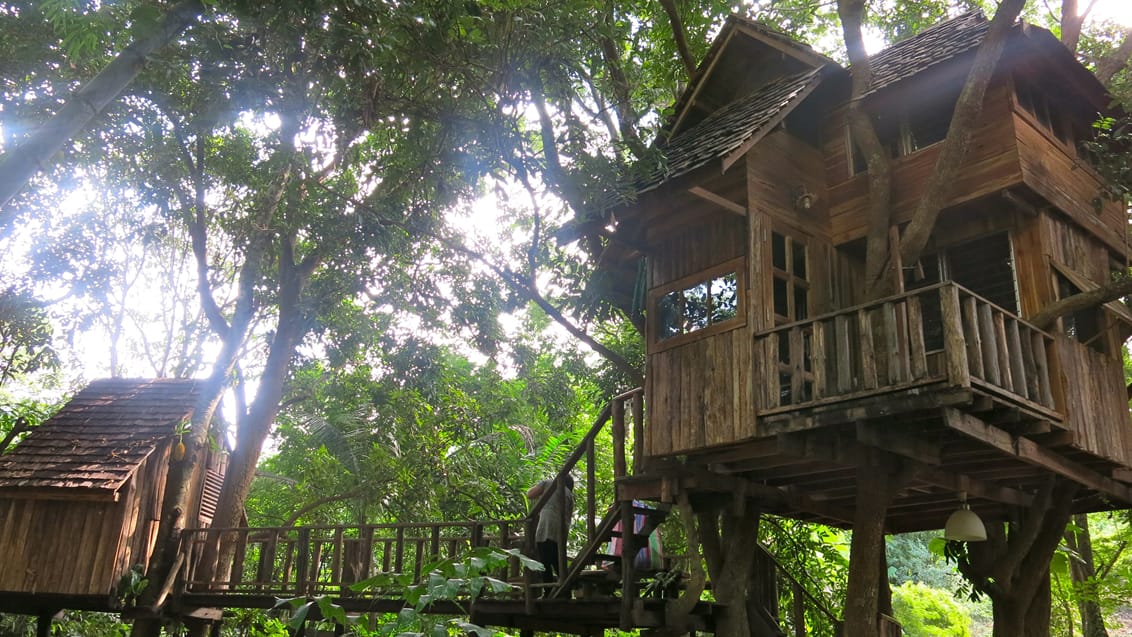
x,y
924,611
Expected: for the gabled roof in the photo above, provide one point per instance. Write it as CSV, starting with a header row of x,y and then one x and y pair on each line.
x,y
100,437
744,121
731,127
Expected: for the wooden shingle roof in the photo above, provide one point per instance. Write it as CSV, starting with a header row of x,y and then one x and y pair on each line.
x,y
932,46
97,441
732,126
746,118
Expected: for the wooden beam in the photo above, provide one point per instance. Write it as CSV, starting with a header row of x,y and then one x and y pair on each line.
x,y
719,200
1032,453
847,452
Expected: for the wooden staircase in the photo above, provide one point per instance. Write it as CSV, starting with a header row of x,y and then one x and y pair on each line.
x,y
592,559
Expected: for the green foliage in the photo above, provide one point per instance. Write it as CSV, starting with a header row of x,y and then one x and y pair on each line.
x,y
912,559
459,580
26,335
925,611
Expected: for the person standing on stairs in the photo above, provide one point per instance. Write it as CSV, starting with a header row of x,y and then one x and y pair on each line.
x,y
549,533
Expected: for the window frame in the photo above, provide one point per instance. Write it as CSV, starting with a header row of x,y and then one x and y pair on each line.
x,y
736,266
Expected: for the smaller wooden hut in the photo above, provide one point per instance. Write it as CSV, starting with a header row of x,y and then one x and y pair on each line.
x,y
81,495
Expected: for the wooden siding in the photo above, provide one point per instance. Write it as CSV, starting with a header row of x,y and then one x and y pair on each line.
x,y
776,168
699,394
992,165
81,547
1053,171
696,250
54,546
1096,407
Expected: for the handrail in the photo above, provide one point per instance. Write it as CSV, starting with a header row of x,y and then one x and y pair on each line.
x,y
892,344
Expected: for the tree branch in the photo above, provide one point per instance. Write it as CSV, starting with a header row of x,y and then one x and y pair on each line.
x,y
680,37
1048,315
963,120
30,157
1110,65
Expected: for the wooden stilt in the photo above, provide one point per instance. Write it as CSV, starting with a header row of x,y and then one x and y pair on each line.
x,y
43,623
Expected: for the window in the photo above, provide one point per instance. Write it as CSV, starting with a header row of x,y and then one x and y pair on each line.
x,y
1083,326
1038,105
915,126
790,269
695,304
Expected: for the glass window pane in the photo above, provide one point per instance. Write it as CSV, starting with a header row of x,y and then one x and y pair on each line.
x,y
778,251
696,307
724,298
668,315
781,298
801,303
799,258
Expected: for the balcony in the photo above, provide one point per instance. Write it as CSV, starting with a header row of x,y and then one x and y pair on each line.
x,y
934,346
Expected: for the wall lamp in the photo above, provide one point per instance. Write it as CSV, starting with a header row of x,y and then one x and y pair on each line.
x,y
964,525
804,199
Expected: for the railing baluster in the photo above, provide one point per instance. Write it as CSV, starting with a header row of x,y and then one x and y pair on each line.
x,y
619,465
868,370
1017,364
990,345
399,550
1045,392
973,337
302,559
591,483
818,346
918,352
894,349
637,408
773,387
954,347
236,575
1006,378
844,361
797,366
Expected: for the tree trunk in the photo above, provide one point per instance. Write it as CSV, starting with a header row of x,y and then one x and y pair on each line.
x,y
877,483
21,163
1083,572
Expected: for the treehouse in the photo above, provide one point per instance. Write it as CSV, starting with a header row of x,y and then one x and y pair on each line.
x,y
80,496
771,372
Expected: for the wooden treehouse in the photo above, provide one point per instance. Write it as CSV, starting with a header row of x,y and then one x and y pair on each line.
x,y
81,495
768,369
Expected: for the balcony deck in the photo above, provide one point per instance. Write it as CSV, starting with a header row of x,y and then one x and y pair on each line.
x,y
967,395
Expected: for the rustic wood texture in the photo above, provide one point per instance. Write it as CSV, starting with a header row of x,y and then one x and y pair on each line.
x,y
80,497
700,394
100,437
880,347
991,166
1054,171
1096,403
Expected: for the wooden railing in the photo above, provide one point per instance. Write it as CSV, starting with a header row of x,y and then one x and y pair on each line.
x,y
941,334
317,560
299,561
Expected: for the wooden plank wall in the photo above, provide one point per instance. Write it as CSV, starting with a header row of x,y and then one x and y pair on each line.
x,y
698,249
992,165
57,546
694,391
700,394
1096,409
81,547
1054,171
